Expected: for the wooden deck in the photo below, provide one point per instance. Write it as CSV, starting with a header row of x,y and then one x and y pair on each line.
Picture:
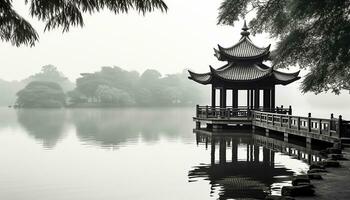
x,y
333,130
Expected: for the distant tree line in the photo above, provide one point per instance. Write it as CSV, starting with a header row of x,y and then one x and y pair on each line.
x,y
109,87
113,86
48,73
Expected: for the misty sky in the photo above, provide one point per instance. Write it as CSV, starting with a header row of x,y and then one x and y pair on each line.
x,y
169,42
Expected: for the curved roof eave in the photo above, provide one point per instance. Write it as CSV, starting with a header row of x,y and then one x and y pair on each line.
x,y
193,77
216,75
221,53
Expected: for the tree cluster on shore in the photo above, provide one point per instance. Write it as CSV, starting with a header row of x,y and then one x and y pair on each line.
x,y
109,87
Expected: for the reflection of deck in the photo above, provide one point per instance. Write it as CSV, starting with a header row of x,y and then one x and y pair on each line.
x,y
301,152
247,175
333,130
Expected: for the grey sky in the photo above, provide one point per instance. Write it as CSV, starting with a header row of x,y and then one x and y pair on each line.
x,y
169,42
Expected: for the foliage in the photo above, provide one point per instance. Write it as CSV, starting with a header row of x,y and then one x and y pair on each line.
x,y
8,89
61,14
41,94
51,74
117,87
76,97
314,34
111,95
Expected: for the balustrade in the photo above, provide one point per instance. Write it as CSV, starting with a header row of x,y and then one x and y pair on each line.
x,y
328,127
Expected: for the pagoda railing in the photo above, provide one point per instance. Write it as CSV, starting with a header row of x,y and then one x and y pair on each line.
x,y
234,112
334,127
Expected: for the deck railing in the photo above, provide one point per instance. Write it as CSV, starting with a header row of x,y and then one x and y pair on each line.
x,y
234,112
334,127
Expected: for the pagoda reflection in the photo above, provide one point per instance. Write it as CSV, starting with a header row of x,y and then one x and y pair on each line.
x,y
243,165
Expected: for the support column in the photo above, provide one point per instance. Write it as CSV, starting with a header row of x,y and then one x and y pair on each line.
x,y
308,142
206,142
235,98
247,153
273,97
234,151
223,97
251,153
272,159
257,98
256,153
266,155
222,151
213,96
251,99
212,153
285,137
266,100
248,99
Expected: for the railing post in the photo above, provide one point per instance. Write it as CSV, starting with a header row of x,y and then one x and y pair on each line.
x,y
309,122
197,110
331,125
290,110
339,126
320,126
281,124
289,122
206,111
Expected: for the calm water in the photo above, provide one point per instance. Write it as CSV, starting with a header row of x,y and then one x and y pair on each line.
x,y
133,154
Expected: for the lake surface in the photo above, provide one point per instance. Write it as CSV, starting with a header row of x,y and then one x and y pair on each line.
x,y
133,153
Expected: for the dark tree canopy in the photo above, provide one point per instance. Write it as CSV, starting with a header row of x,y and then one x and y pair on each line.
x,y
313,34
61,14
41,94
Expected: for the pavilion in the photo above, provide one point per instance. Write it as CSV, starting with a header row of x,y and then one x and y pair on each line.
x,y
244,70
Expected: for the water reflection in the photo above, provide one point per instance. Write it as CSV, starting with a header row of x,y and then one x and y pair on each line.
x,y
243,165
116,127
106,127
45,125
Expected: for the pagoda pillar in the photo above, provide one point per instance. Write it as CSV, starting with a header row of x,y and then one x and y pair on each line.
x,y
213,96
273,97
266,99
257,98
223,97
248,99
235,98
251,99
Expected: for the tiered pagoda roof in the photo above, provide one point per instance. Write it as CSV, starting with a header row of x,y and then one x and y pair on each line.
x,y
245,64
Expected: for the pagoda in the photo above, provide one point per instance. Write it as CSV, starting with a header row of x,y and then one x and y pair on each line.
x,y
244,70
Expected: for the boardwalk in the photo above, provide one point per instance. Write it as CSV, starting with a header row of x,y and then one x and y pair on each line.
x,y
333,130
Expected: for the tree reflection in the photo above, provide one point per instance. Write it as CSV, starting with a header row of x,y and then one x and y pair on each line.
x,y
117,127
45,125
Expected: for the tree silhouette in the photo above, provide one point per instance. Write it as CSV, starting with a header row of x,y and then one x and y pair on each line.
x,y
314,34
41,94
61,14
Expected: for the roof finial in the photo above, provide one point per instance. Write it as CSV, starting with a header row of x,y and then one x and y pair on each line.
x,y
245,32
